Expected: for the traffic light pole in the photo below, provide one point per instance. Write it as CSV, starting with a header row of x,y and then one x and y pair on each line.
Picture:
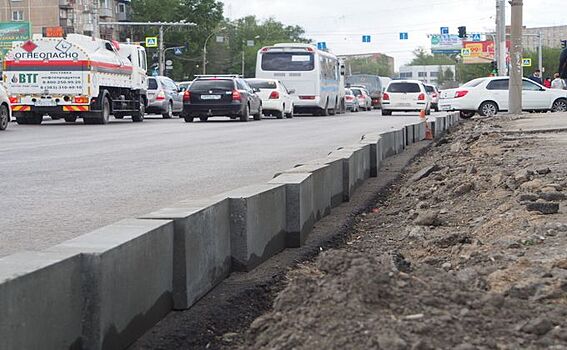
x,y
515,88
500,39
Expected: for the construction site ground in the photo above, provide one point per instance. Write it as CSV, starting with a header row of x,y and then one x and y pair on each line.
x,y
467,251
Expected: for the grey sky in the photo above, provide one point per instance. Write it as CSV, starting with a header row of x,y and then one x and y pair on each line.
x,y
341,26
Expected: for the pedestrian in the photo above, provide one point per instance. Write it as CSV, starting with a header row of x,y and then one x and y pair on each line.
x,y
536,76
547,83
558,83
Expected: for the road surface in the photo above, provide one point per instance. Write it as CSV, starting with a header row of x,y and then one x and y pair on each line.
x,y
63,180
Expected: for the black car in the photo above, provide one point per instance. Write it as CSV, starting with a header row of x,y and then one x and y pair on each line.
x,y
211,96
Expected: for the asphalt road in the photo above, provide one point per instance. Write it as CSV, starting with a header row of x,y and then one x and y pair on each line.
x,y
63,180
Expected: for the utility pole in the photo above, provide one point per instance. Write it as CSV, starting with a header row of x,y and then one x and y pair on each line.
x,y
501,37
515,88
540,53
243,60
161,53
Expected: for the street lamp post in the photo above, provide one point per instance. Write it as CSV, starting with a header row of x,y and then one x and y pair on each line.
x,y
205,49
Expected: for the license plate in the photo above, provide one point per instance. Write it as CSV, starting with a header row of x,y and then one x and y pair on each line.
x,y
210,97
445,107
45,102
405,104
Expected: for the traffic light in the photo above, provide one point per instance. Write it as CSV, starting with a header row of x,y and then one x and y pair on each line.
x,y
462,32
494,68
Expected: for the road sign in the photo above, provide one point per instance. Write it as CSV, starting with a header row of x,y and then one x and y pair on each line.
x,y
168,62
445,30
178,52
476,37
249,43
366,38
465,52
404,36
151,41
322,45
220,39
526,62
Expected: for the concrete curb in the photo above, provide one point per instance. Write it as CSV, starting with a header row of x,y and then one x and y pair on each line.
x,y
106,288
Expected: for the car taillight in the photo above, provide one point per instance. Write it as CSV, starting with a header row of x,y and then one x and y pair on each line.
x,y
161,95
236,95
186,96
349,98
421,97
274,95
81,99
434,95
386,97
461,93
306,97
14,99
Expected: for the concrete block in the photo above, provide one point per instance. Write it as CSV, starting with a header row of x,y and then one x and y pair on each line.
x,y
201,248
41,301
409,135
127,279
356,167
324,178
257,224
389,143
299,206
419,131
376,143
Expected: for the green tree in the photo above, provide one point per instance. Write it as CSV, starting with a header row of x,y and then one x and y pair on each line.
x,y
423,58
550,61
376,66
206,14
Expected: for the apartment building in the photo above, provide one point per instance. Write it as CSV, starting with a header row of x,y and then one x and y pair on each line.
x,y
426,74
551,37
73,16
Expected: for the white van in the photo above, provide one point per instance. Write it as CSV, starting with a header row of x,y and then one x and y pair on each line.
x,y
405,96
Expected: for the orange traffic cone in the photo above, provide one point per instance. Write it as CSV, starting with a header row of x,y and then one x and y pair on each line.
x,y
428,134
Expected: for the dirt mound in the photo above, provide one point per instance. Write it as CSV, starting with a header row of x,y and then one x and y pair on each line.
x,y
472,255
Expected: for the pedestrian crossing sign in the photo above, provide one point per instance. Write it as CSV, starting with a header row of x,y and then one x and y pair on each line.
x,y
526,62
151,41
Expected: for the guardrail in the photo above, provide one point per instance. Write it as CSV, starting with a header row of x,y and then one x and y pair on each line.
x,y
103,290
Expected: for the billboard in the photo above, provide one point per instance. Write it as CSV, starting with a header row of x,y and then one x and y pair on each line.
x,y
446,44
481,51
13,32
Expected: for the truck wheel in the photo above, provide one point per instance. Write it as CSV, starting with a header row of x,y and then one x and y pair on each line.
x,y
118,116
138,116
188,119
245,115
203,118
70,118
102,117
169,113
4,117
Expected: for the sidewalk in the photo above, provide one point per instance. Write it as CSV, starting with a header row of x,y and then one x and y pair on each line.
x,y
473,255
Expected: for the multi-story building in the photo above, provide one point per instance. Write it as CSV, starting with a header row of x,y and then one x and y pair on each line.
x,y
551,37
427,74
376,57
74,16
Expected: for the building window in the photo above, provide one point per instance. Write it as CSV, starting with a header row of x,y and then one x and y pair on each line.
x,y
433,74
121,8
422,74
405,75
18,16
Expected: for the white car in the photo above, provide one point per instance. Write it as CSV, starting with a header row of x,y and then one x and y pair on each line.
x,y
5,109
277,100
488,96
405,96
363,96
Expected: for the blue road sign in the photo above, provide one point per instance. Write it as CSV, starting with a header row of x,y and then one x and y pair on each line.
x,y
322,45
366,38
445,30
476,37
404,36
178,52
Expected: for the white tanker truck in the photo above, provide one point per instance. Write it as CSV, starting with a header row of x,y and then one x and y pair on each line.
x,y
76,77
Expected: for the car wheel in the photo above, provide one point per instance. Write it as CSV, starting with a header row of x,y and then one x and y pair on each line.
x,y
386,112
467,114
278,114
488,109
258,116
188,119
204,118
169,113
245,115
4,117
560,105
70,118
290,114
